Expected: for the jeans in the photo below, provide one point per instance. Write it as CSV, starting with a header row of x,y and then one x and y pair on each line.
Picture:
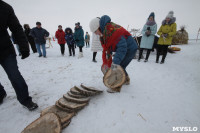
x,y
128,58
10,66
131,51
43,49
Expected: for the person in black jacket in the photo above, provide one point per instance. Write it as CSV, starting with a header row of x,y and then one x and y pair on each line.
x,y
27,31
8,56
39,34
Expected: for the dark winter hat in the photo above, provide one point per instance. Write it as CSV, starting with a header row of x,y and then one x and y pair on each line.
x,y
78,23
38,23
68,29
152,15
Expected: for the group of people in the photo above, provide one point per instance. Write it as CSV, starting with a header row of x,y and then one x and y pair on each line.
x,y
72,39
115,38
107,37
166,32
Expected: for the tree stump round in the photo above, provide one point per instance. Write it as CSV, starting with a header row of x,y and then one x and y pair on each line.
x,y
113,79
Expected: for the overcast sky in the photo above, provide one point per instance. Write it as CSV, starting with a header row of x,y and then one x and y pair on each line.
x,y
134,13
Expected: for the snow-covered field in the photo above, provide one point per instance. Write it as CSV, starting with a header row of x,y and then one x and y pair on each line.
x,y
159,97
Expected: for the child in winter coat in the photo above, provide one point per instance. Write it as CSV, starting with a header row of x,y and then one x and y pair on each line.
x,y
166,32
69,37
148,33
60,35
114,38
87,40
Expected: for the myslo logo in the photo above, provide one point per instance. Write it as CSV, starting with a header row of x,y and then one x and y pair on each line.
x,y
184,129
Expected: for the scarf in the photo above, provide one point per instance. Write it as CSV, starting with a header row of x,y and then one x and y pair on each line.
x,y
111,36
173,20
150,23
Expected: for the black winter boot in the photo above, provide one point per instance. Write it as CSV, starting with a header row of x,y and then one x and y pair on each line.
x,y
147,55
140,54
31,106
157,58
162,61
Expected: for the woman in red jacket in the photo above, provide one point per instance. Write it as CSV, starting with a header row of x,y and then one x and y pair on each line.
x,y
60,35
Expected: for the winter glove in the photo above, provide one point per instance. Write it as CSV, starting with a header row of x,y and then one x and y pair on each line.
x,y
25,54
114,66
165,35
104,68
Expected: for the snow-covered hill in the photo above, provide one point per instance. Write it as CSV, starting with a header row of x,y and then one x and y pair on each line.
x,y
159,97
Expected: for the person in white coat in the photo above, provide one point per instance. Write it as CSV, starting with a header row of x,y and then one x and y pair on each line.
x,y
148,34
96,46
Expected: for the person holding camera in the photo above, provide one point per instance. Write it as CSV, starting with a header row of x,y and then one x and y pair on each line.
x,y
148,33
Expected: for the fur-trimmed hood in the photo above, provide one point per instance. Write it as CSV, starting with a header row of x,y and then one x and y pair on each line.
x,y
173,20
70,31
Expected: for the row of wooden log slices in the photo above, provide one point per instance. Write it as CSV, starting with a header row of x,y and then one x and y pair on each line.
x,y
55,118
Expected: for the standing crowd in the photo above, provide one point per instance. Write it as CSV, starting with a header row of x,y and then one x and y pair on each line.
x,y
166,32
107,37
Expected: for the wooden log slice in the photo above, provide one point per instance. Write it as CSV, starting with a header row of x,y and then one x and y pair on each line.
x,y
76,100
113,79
85,92
64,108
48,123
75,92
66,124
73,106
91,89
75,96
63,115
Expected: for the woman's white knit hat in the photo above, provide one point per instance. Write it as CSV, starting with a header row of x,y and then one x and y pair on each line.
x,y
170,15
94,24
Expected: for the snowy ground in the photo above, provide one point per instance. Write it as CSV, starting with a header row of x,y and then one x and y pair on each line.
x,y
159,97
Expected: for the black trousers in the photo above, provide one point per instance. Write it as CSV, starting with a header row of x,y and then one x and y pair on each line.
x,y
71,49
162,49
33,46
87,44
11,68
81,49
147,55
62,48
94,56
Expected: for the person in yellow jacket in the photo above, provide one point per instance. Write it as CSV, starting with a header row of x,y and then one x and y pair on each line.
x,y
166,32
